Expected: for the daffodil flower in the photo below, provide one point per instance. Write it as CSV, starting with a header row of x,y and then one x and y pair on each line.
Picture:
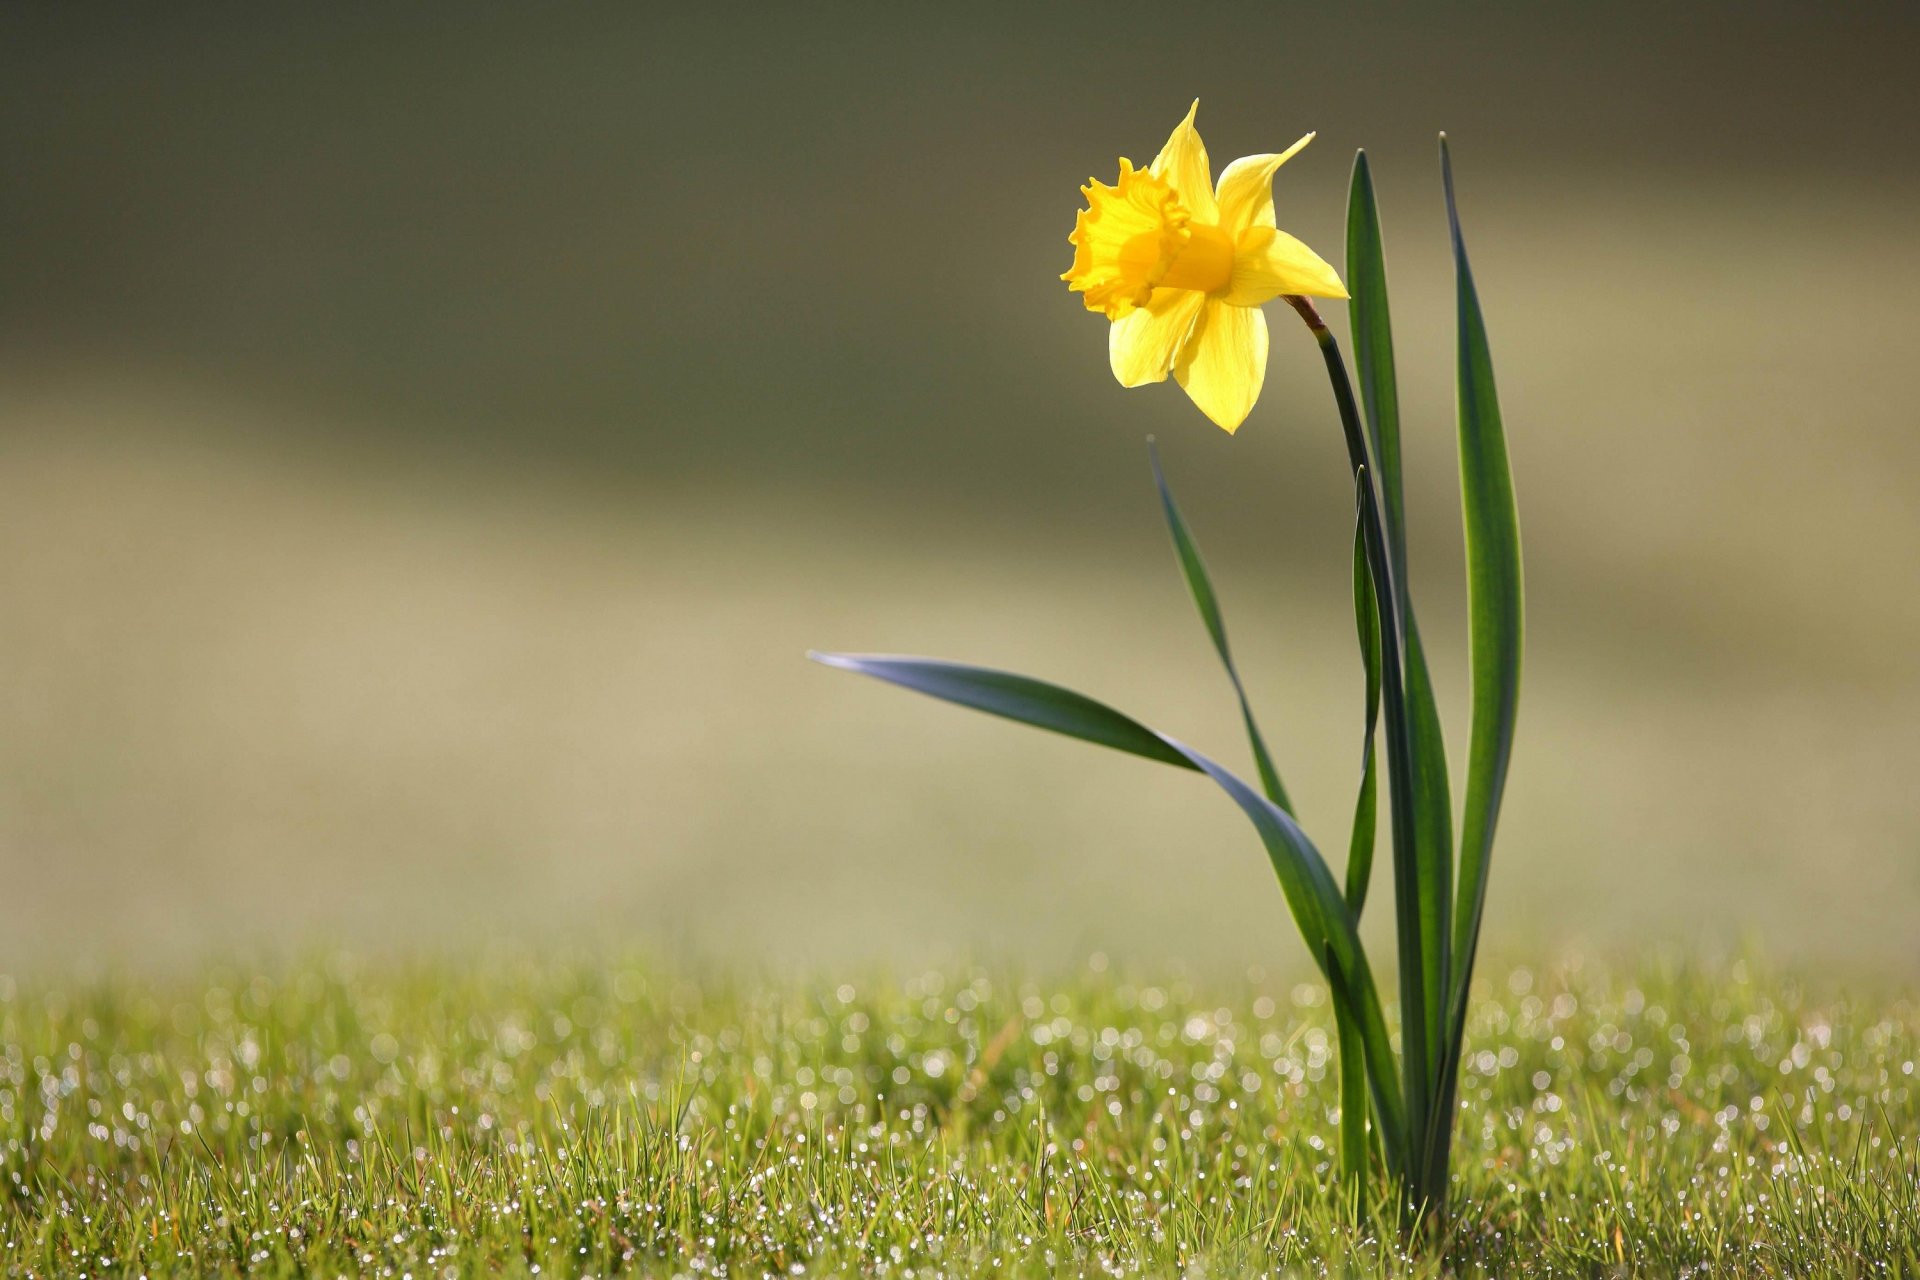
x,y
1181,266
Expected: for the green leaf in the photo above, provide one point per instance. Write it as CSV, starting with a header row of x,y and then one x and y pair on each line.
x,y
1194,569
1431,801
1308,886
1372,323
1433,840
1353,1078
1494,628
1494,595
1015,697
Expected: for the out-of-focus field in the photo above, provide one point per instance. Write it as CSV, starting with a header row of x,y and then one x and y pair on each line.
x,y
258,692
424,460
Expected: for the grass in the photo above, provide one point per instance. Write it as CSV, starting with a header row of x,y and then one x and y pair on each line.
x,y
517,1115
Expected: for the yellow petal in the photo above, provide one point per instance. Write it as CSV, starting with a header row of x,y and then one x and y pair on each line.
x,y
1245,194
1268,262
1225,362
1142,344
1182,164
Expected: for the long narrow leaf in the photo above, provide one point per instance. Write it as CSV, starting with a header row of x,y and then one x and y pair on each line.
x,y
1494,594
1353,1077
1433,840
1194,570
1372,324
1494,615
1308,886
1431,804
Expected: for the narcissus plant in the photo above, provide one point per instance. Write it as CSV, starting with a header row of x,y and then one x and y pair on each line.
x,y
1181,266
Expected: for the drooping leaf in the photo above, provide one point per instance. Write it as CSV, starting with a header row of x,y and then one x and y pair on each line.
x,y
1015,697
1194,570
1305,879
1313,898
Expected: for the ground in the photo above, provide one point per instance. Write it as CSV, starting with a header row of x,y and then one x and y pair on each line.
x,y
514,1114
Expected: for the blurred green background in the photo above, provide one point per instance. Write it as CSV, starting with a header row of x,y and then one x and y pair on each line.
x,y
430,437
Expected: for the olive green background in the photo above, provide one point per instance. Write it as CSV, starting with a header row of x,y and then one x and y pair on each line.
x,y
431,436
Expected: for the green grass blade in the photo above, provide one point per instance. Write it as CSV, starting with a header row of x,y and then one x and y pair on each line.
x,y
1194,570
1494,594
1312,896
1432,804
1015,697
1366,617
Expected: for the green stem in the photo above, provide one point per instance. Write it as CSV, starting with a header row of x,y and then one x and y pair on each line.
x,y
1415,1051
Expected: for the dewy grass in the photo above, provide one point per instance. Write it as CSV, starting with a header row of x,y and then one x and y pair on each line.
x,y
513,1113
1181,267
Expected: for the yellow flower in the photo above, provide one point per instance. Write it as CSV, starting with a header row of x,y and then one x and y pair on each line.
x,y
1181,267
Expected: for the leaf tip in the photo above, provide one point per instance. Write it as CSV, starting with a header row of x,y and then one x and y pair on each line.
x,y
1159,474
1446,183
